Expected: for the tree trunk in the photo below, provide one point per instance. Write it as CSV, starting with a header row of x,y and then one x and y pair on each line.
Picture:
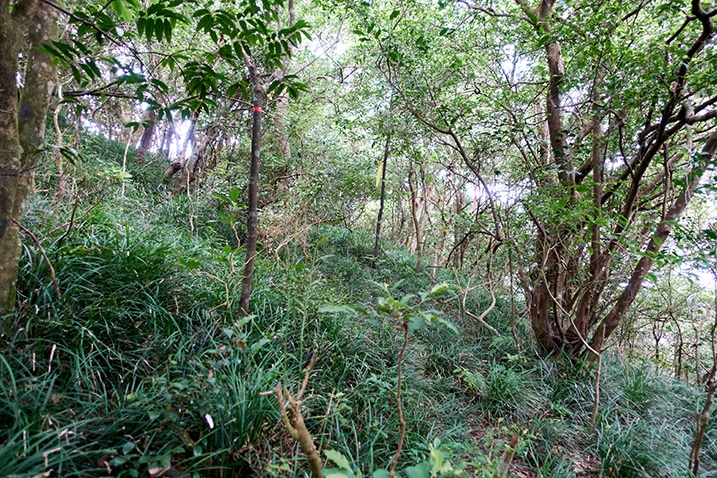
x,y
414,215
253,214
22,127
383,195
145,143
566,284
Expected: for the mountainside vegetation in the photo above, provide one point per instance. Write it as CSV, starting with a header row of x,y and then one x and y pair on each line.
x,y
358,239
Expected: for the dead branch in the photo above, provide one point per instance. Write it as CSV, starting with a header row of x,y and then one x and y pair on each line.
x,y
293,421
44,256
394,462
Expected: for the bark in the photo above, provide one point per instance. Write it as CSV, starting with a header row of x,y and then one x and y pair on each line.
x,y
22,127
253,199
383,196
188,140
145,143
283,148
414,216
167,139
62,180
577,333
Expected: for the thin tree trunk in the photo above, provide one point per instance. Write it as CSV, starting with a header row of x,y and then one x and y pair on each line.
x,y
414,215
62,179
458,230
704,417
253,214
188,140
383,195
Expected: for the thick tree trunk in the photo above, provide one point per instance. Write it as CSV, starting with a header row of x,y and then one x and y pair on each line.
x,y
22,127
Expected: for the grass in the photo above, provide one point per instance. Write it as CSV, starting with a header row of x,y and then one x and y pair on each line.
x,y
145,362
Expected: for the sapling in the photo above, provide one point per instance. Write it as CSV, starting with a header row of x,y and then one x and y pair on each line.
x,y
409,314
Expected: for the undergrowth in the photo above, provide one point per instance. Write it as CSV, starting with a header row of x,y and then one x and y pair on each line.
x,y
144,365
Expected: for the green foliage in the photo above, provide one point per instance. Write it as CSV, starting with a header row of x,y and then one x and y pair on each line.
x,y
144,361
437,465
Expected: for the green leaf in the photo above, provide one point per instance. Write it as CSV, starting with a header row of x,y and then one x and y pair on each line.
x,y
440,289
256,346
70,154
127,447
119,460
337,309
168,30
448,324
336,473
415,322
234,193
149,29
159,30
545,38
422,470
380,473
394,14
120,7
339,459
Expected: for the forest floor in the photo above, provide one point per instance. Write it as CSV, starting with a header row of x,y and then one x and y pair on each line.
x,y
143,366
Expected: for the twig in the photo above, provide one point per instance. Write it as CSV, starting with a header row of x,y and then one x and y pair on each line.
x,y
596,404
308,369
71,223
44,256
392,469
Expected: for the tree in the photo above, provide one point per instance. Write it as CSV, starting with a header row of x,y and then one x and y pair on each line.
x,y
602,115
22,125
255,35
603,203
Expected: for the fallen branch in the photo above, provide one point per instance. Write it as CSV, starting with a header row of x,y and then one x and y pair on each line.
x,y
508,455
294,422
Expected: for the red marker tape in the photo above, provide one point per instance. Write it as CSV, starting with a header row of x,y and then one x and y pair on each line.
x,y
258,109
